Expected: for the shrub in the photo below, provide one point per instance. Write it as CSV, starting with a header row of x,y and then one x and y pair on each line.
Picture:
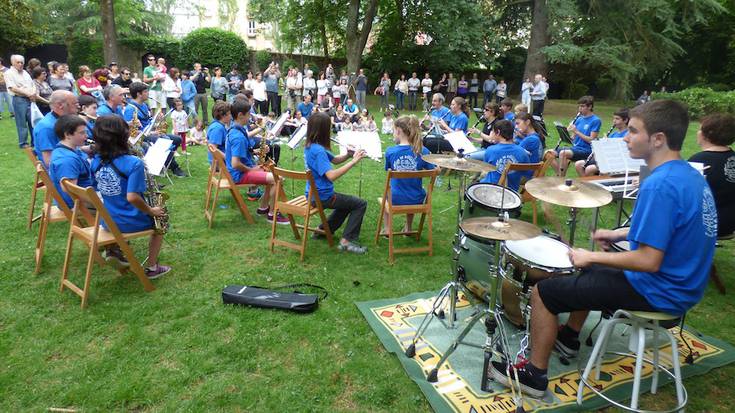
x,y
263,58
289,63
84,51
702,101
161,46
215,47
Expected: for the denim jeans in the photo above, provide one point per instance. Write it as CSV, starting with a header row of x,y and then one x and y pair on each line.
x,y
6,101
344,205
384,100
488,97
400,98
412,94
22,109
200,102
360,97
190,108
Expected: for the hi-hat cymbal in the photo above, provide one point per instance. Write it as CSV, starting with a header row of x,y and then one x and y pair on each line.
x,y
458,164
568,192
492,228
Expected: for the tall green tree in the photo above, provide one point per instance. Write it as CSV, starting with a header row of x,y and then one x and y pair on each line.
x,y
17,30
109,33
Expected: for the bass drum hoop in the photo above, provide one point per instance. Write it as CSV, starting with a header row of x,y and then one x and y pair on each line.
x,y
476,203
533,272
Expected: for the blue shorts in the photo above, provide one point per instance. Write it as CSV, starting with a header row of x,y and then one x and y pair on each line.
x,y
577,153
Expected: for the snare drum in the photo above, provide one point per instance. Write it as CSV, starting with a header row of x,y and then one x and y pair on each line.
x,y
620,246
473,264
484,199
533,260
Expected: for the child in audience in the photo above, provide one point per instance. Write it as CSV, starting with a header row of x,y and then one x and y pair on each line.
x,y
197,135
370,125
386,125
181,123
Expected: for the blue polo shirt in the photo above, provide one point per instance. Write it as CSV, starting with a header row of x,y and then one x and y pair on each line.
x,y
44,137
114,188
441,113
71,164
586,125
510,116
319,161
532,144
238,145
105,109
402,158
305,109
618,133
216,135
144,113
500,155
674,213
458,122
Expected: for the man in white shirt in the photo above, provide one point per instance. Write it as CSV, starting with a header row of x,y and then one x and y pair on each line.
x,y
538,95
413,90
21,88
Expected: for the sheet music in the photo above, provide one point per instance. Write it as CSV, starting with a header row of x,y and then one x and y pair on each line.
x,y
276,129
155,158
459,140
369,141
297,137
613,157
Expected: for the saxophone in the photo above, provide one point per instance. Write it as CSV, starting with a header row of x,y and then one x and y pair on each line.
x,y
155,197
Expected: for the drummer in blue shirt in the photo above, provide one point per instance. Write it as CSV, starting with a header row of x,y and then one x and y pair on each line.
x,y
67,161
584,130
458,119
504,153
61,102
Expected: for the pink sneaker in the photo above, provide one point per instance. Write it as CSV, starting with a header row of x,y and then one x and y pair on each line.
x,y
280,219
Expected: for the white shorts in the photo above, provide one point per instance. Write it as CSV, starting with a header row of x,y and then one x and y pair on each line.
x,y
155,96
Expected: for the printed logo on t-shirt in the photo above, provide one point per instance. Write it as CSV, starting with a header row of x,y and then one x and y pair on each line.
x,y
709,213
729,169
405,163
108,183
503,160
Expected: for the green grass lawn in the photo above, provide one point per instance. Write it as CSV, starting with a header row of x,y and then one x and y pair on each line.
x,y
179,349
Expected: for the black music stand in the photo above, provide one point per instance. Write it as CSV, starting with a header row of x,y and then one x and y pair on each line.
x,y
563,134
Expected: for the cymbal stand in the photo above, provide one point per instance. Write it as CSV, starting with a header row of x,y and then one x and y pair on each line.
x,y
572,222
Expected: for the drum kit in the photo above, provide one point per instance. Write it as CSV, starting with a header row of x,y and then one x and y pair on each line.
x,y
498,259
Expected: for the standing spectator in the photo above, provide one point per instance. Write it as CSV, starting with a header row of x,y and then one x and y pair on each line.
x,y
308,72
172,87
451,87
34,63
21,88
219,85
463,87
42,87
5,99
68,74
329,72
413,91
87,84
538,96
321,88
361,85
501,91
488,89
526,92
401,91
441,86
474,90
259,94
188,93
234,80
114,72
58,79
249,80
309,83
271,79
200,80
344,77
180,121
293,89
124,80
153,77
383,90
644,98
337,94
426,85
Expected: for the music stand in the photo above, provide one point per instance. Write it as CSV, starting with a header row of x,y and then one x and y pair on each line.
x,y
293,142
563,135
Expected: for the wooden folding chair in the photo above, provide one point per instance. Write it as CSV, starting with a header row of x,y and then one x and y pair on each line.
x,y
37,186
301,206
220,178
51,213
386,205
525,196
96,236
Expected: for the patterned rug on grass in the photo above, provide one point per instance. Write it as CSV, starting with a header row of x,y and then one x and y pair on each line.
x,y
458,387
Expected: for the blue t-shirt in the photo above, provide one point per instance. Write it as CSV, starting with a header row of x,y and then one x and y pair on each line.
x,y
114,188
144,113
72,164
532,144
500,155
128,113
44,137
305,109
458,121
188,91
89,127
510,116
216,135
105,109
402,158
586,125
352,109
618,133
675,213
441,113
319,161
238,145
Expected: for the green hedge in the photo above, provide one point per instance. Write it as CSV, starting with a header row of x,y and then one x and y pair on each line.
x,y
161,46
215,47
702,101
84,51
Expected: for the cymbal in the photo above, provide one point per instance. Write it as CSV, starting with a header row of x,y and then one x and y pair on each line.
x,y
491,228
458,164
566,192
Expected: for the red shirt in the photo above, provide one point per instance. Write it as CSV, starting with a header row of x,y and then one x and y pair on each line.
x,y
88,84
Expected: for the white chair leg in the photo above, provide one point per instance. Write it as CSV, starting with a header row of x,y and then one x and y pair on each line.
x,y
605,338
595,358
677,369
654,379
638,363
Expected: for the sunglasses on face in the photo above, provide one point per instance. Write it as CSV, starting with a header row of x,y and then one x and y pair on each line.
x,y
126,74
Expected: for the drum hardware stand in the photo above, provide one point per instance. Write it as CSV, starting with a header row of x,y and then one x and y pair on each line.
x,y
572,222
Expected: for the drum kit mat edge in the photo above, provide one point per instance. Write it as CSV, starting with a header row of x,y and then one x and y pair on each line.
x,y
517,257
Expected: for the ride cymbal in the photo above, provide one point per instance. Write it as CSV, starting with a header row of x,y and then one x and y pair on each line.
x,y
492,228
456,163
566,192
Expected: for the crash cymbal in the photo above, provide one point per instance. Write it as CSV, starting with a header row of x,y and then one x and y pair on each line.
x,y
458,164
566,192
492,228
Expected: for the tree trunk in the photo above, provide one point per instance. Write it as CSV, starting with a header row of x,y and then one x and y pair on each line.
x,y
535,59
107,14
356,39
323,28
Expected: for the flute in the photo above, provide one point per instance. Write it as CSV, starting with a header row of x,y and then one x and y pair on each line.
x,y
352,148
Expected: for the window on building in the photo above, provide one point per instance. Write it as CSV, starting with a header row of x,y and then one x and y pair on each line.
x,y
251,28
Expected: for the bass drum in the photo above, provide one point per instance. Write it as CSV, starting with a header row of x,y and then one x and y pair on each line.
x,y
485,200
473,263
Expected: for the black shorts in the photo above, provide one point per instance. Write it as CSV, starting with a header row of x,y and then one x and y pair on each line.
x,y
577,155
597,288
